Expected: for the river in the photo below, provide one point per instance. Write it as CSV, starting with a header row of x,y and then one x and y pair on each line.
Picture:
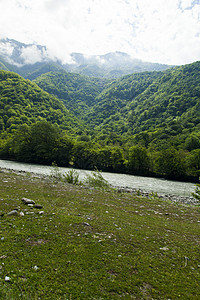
x,y
148,184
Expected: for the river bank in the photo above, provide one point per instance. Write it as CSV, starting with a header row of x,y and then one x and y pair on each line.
x,y
188,200
149,184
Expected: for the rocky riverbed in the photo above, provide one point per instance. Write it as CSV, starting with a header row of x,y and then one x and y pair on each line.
x,y
188,200
167,197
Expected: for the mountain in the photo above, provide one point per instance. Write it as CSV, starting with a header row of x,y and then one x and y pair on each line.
x,y
116,96
23,102
30,60
168,107
164,104
78,92
112,65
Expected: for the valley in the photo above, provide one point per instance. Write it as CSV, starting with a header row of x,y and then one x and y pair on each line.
x,y
145,123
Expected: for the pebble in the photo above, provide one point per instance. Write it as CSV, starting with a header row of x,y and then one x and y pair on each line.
x,y
86,224
164,249
13,213
38,206
7,279
27,201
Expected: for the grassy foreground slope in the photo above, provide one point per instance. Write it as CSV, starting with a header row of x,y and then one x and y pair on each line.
x,y
92,244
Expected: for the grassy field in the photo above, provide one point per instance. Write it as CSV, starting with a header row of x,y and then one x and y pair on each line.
x,y
87,243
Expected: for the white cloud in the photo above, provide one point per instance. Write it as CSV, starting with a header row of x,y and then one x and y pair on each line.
x,y
6,49
153,30
31,54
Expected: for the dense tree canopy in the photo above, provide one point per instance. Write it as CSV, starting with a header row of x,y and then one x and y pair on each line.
x,y
23,102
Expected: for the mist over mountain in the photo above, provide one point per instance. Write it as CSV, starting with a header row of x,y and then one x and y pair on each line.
x,y
26,59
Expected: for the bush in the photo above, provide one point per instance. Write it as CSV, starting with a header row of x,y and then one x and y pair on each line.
x,y
55,173
71,177
97,180
196,194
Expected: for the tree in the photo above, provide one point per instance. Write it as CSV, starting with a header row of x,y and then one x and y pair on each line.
x,y
103,161
83,156
21,144
170,163
63,150
2,125
44,137
192,142
117,160
193,163
138,161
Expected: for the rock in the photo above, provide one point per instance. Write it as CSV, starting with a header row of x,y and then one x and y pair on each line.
x,y
38,206
7,279
21,214
164,249
13,213
41,212
86,224
27,201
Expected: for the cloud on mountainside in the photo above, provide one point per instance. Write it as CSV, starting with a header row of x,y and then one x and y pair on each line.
x,y
153,30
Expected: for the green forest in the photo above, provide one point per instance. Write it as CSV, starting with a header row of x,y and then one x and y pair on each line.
x,y
145,124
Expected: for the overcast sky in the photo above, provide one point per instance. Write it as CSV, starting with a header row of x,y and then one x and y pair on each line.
x,y
164,31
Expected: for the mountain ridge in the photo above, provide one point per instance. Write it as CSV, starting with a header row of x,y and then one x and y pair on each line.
x,y
19,56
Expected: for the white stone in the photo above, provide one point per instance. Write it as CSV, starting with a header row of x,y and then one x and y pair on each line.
x,y
7,278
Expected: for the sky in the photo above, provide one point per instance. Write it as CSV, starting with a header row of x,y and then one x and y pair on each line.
x,y
163,31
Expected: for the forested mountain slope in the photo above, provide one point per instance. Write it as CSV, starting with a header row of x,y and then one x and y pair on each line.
x,y
168,100
78,92
22,101
30,71
176,95
113,99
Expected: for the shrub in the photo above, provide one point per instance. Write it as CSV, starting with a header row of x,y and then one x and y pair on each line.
x,y
71,177
55,173
97,180
196,194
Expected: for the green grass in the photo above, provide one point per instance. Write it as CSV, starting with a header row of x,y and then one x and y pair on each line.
x,y
93,244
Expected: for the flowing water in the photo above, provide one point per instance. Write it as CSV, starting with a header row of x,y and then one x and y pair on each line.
x,y
148,184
